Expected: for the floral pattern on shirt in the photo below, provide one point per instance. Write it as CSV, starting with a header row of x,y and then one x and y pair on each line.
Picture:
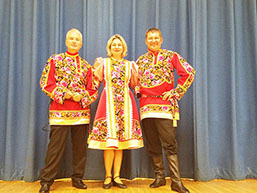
x,y
69,114
172,109
151,74
69,76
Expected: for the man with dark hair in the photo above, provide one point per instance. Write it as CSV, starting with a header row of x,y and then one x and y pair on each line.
x,y
67,80
159,107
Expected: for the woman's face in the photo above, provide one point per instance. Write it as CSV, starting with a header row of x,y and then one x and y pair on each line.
x,y
116,47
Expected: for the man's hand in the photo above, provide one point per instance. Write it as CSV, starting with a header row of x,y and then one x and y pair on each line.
x,y
68,95
169,95
77,97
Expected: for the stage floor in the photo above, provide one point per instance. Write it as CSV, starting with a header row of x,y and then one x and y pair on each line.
x,y
134,186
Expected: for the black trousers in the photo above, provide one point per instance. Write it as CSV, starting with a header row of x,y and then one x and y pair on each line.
x,y
160,133
56,147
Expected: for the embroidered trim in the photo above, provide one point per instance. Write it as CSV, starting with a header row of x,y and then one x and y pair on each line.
x,y
110,113
110,107
128,144
128,103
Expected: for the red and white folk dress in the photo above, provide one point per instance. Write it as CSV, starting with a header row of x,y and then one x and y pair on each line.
x,y
116,124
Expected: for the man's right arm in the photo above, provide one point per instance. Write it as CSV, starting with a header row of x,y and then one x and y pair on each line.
x,y
48,82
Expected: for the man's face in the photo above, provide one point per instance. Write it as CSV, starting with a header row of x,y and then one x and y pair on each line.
x,y
153,40
73,42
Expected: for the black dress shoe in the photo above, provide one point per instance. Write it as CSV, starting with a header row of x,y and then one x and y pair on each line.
x,y
109,185
119,185
79,184
158,182
45,188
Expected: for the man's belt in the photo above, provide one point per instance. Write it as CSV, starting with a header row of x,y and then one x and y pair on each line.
x,y
154,96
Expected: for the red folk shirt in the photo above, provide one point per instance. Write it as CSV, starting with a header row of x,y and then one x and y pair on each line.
x,y
68,72
156,76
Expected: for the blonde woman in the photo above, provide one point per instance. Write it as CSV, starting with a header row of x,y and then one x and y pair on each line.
x,y
116,125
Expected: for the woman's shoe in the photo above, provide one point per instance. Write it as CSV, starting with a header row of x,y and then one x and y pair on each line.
x,y
109,185
119,185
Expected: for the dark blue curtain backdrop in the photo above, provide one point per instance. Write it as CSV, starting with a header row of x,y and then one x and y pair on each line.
x,y
217,133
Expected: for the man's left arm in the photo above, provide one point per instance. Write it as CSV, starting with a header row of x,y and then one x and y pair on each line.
x,y
186,75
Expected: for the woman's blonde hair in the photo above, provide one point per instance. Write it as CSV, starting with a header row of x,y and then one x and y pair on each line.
x,y
124,45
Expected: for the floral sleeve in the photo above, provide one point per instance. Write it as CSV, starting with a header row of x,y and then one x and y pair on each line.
x,y
186,75
48,82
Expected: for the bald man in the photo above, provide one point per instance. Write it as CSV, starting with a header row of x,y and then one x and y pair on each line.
x,y
67,81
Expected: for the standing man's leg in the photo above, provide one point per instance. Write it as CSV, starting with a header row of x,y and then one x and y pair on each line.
x,y
55,149
154,149
79,136
168,139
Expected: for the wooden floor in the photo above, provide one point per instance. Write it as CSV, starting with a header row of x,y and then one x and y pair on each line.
x,y
134,186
